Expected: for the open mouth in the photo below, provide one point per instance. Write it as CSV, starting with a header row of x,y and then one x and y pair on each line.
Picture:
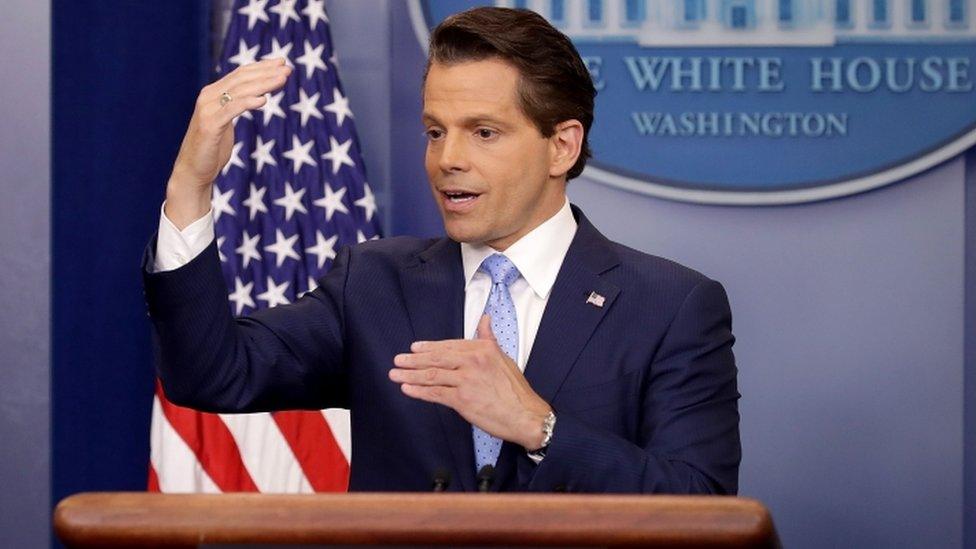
x,y
459,197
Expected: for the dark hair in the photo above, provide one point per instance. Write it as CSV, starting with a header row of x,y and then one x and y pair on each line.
x,y
554,85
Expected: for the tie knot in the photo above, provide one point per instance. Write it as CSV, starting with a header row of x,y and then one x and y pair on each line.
x,y
500,269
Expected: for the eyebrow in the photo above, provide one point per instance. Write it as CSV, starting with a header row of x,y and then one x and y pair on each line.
x,y
473,120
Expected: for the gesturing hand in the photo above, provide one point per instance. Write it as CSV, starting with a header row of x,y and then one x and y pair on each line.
x,y
479,381
209,138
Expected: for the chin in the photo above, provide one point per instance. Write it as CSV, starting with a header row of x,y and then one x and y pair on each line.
x,y
460,233
464,236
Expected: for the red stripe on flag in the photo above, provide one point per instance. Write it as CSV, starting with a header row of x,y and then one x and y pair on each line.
x,y
212,444
153,484
315,448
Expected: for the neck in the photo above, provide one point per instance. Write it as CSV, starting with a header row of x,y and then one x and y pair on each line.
x,y
541,217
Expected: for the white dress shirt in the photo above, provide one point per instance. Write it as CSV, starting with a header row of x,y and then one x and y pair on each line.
x,y
537,255
175,248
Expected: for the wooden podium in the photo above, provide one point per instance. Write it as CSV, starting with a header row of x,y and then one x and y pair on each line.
x,y
132,519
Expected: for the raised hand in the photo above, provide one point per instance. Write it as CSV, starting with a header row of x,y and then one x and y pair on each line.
x,y
209,138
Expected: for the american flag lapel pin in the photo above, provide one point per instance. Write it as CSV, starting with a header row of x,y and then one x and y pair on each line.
x,y
595,299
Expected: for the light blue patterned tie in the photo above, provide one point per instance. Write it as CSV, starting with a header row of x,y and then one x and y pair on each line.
x,y
504,324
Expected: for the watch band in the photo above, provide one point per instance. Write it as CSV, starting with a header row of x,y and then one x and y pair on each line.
x,y
548,426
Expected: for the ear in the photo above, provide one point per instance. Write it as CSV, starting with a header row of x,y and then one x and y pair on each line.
x,y
564,147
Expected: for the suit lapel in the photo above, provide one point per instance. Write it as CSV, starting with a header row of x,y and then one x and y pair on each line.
x,y
433,288
569,320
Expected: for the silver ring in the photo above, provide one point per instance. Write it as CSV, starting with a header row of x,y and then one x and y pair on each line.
x,y
225,98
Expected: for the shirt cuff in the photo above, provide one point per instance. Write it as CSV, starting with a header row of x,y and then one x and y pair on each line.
x,y
175,248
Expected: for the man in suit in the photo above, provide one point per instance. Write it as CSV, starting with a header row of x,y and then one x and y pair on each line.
x,y
525,340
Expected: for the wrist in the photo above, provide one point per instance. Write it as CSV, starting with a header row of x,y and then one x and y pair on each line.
x,y
186,200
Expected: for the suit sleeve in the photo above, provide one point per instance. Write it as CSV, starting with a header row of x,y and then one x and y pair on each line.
x,y
689,426
286,357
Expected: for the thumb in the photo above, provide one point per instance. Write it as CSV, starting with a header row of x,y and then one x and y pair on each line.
x,y
484,328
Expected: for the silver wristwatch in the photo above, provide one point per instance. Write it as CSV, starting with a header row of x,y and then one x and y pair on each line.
x,y
547,428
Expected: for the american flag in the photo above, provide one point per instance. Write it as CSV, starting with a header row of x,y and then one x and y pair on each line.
x,y
293,192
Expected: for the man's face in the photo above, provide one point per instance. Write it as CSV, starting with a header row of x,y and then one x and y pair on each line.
x,y
488,165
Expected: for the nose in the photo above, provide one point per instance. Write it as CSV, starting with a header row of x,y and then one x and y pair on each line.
x,y
453,153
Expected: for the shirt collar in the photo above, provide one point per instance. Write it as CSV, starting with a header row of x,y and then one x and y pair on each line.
x,y
538,255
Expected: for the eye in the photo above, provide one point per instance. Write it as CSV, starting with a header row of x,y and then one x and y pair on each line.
x,y
434,134
486,133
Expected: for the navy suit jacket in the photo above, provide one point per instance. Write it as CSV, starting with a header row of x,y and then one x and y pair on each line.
x,y
644,387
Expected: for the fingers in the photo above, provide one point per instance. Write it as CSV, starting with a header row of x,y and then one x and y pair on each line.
x,y
439,346
214,120
258,87
246,94
239,81
450,360
226,114
429,377
260,83
439,395
239,75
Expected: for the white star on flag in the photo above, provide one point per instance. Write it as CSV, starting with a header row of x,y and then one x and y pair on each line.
x,y
241,296
272,107
360,237
254,11
245,55
306,106
339,106
220,253
235,159
248,249
299,153
262,154
292,201
255,201
332,201
279,52
221,203
324,248
283,248
312,59
339,154
285,10
315,10
367,202
275,294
